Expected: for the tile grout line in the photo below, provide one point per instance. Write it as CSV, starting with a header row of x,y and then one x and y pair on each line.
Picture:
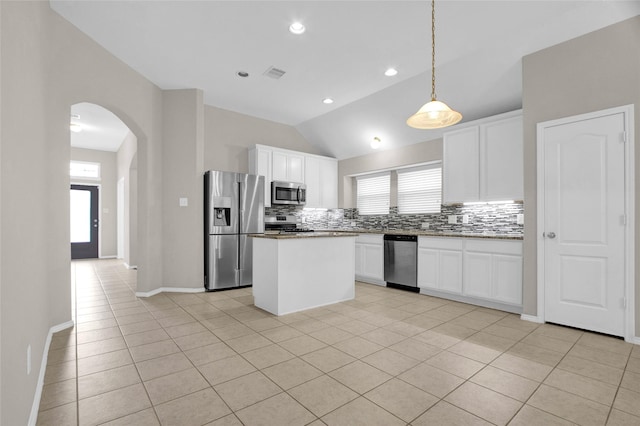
x,y
367,310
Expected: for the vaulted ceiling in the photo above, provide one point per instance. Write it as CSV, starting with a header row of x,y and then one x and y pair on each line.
x,y
343,55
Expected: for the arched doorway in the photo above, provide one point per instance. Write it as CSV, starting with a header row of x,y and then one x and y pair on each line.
x,y
103,151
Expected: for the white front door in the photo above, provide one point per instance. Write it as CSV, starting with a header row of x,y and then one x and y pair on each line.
x,y
584,223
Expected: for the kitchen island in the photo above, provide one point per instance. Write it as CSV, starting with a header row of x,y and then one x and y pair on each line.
x,y
295,272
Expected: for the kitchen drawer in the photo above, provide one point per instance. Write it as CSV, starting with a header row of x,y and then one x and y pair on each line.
x,y
369,239
441,243
494,246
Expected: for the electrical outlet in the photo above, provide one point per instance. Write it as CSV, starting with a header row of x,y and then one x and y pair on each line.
x,y
452,219
425,225
465,219
303,219
184,202
354,224
520,219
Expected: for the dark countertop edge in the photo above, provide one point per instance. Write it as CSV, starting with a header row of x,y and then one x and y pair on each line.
x,y
431,234
317,234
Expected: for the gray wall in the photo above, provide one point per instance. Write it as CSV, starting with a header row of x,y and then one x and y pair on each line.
x,y
229,135
183,140
47,65
380,160
596,71
107,239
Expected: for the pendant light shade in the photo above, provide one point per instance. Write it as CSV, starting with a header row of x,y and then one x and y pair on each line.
x,y
434,114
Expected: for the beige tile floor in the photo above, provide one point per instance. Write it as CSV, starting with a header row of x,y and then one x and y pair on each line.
x,y
386,358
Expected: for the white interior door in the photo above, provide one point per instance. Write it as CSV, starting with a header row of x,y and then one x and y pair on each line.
x,y
584,224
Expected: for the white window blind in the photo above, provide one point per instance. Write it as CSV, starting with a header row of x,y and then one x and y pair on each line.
x,y
420,189
373,194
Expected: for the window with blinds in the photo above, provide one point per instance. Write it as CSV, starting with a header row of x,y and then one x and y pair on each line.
x,y
373,194
420,189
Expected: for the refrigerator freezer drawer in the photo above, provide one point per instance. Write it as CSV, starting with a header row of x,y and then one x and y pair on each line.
x,y
222,262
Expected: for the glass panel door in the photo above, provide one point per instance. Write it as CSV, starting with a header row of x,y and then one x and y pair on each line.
x,y
84,226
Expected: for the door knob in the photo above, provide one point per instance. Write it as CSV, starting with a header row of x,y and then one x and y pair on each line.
x,y
551,235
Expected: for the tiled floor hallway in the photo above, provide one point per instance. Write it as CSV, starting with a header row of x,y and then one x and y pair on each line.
x,y
386,358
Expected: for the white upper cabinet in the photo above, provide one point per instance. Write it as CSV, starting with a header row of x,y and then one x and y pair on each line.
x,y
460,166
319,173
260,164
484,162
501,168
288,167
321,178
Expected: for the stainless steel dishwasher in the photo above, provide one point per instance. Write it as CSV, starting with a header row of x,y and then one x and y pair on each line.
x,y
401,261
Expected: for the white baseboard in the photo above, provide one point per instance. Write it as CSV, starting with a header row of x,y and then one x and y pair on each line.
x,y
169,290
33,417
126,265
109,257
531,318
633,340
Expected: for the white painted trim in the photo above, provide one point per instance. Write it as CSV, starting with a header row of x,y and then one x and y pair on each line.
x,y
109,257
169,290
126,265
531,318
628,111
634,340
35,406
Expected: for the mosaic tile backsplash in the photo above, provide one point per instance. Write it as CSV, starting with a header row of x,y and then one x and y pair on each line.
x,y
498,218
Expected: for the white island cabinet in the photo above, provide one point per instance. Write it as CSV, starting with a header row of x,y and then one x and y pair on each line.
x,y
295,272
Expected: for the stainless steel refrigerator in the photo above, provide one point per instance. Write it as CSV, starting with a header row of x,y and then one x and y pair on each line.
x,y
233,209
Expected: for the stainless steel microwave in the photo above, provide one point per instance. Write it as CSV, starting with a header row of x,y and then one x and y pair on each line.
x,y
288,193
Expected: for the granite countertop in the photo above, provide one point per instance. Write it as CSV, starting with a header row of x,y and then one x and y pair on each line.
x,y
316,234
427,233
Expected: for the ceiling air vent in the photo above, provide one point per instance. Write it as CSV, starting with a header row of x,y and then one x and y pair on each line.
x,y
274,73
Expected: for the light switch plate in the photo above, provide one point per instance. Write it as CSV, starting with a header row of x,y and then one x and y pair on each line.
x,y
453,219
520,219
425,225
465,219
184,202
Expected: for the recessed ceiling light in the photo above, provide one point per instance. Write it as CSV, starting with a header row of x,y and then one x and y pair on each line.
x,y
297,28
75,127
375,144
327,101
391,72
242,74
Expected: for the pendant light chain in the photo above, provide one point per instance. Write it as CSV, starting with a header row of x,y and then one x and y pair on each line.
x,y
434,114
433,50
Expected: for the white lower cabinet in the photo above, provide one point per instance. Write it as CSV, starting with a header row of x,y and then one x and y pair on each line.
x,y
472,270
370,259
493,270
440,264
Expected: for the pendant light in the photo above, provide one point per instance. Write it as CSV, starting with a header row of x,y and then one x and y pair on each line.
x,y
434,114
